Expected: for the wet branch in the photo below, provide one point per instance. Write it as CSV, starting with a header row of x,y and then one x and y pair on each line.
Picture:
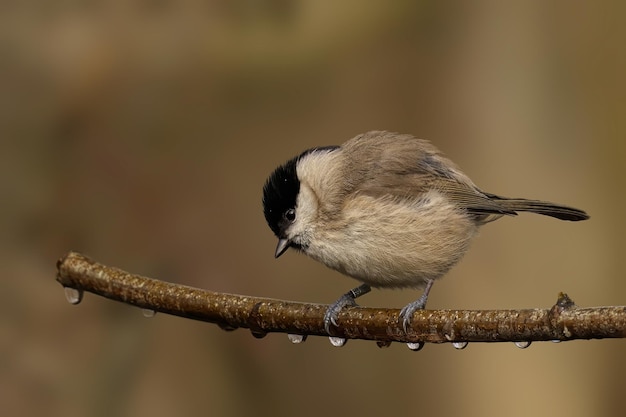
x,y
564,321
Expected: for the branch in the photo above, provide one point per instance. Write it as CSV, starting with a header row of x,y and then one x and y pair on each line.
x,y
564,321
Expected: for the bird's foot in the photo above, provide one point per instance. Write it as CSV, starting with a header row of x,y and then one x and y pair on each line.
x,y
346,300
406,314
333,310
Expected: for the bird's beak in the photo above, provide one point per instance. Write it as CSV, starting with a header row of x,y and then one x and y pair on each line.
x,y
283,245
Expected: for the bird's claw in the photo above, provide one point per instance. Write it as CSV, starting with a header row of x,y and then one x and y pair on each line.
x,y
332,314
406,314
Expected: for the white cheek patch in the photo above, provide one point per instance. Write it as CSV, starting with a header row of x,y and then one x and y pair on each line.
x,y
306,204
306,214
316,172
320,171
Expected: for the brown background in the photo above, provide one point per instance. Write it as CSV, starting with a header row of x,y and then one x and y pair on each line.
x,y
141,134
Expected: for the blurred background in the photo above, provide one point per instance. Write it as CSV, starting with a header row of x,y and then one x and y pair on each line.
x,y
141,133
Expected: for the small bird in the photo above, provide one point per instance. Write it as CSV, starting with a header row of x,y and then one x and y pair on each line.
x,y
386,209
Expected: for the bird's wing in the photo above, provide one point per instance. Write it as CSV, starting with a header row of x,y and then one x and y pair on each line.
x,y
413,187
471,198
403,167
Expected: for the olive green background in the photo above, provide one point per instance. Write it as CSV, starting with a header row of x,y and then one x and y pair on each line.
x,y
141,133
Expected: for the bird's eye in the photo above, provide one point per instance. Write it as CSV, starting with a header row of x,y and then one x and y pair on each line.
x,y
290,215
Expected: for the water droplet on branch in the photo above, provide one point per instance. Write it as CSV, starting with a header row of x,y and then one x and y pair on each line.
x,y
259,334
522,344
296,338
460,345
415,346
73,295
148,312
337,341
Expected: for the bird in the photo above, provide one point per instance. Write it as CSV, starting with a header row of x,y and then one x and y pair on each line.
x,y
387,209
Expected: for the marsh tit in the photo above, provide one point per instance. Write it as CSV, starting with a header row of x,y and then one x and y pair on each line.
x,y
386,209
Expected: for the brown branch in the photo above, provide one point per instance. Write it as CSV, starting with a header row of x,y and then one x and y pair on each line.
x,y
564,321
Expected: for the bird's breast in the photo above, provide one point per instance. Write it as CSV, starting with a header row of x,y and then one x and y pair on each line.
x,y
394,242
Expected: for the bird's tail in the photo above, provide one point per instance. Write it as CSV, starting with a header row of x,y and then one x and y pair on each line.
x,y
540,207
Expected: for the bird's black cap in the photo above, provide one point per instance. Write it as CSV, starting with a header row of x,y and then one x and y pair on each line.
x,y
280,193
281,189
